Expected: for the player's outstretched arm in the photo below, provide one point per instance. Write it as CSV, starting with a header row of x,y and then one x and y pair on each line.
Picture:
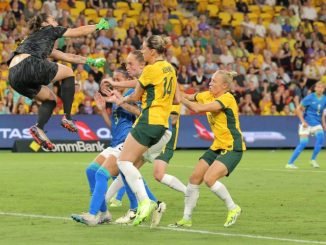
x,y
120,84
198,108
103,24
299,113
177,96
100,103
76,59
135,96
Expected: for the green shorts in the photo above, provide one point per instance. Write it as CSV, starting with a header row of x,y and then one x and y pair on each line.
x,y
168,151
229,158
146,134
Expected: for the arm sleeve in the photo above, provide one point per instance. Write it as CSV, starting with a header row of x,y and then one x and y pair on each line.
x,y
58,31
145,78
225,100
199,97
306,101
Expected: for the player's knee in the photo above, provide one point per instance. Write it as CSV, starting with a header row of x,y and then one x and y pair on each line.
x,y
195,179
158,176
320,138
209,181
303,143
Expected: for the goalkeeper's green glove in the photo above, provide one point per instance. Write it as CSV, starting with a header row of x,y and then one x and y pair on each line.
x,y
103,25
95,62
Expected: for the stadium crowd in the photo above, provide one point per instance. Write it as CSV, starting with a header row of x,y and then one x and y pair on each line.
x,y
277,47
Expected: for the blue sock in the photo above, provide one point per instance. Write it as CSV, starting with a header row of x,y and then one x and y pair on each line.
x,y
121,193
318,145
102,177
303,143
90,173
149,193
131,196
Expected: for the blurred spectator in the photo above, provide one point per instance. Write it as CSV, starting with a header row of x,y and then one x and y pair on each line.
x,y
308,12
242,7
247,106
199,81
90,86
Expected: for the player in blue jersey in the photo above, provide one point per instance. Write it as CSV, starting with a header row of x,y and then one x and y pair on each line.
x,y
104,166
310,113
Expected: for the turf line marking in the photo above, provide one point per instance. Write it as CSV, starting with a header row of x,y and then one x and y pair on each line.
x,y
179,229
263,169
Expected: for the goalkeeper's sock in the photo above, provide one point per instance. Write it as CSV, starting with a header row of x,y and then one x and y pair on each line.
x,y
303,143
67,95
98,199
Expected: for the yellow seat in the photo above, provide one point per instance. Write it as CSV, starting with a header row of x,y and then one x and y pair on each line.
x,y
238,17
118,13
122,5
103,12
89,12
133,13
80,5
74,12
217,2
253,17
278,8
266,17
202,5
228,3
225,17
131,20
254,9
137,7
267,9
212,10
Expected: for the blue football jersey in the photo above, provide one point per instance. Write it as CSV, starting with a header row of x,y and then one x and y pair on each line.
x,y
314,108
122,122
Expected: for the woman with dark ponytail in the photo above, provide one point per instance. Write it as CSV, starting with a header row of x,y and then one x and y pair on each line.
x,y
30,72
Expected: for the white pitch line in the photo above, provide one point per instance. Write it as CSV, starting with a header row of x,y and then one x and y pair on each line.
x,y
264,169
181,230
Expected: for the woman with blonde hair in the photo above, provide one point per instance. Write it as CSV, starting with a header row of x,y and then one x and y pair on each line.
x,y
226,151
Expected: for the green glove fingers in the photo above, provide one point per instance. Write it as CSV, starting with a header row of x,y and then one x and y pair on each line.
x,y
103,25
95,62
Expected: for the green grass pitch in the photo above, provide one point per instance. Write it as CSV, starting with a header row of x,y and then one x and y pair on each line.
x,y
279,206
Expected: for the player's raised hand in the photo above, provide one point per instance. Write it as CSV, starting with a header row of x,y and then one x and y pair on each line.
x,y
99,62
105,24
99,100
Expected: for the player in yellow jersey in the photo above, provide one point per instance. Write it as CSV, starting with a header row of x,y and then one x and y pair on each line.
x,y
157,88
226,151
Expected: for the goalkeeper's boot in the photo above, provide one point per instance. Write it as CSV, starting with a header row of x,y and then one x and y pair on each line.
x,y
104,217
86,218
314,164
40,137
127,218
157,214
145,208
232,216
68,124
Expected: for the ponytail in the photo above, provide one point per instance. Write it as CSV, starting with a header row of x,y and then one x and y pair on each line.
x,y
35,23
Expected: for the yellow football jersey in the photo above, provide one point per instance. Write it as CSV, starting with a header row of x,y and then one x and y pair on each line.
x,y
224,123
159,81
